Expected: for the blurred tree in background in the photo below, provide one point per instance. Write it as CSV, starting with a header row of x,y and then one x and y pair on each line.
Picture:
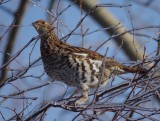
x,y
128,28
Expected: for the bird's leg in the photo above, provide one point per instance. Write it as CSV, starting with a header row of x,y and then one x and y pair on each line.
x,y
83,99
104,82
73,95
105,78
84,87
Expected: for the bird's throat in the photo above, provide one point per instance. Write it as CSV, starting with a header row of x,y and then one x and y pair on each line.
x,y
50,42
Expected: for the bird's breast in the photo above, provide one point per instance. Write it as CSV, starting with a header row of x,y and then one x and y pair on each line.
x,y
72,69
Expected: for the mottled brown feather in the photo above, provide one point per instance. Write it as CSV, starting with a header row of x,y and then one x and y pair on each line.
x,y
75,66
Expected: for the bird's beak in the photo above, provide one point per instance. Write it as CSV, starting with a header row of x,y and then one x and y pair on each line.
x,y
33,23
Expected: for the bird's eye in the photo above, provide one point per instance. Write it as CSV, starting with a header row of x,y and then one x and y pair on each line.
x,y
43,22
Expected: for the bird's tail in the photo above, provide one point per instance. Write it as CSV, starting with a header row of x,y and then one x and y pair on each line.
x,y
135,69
118,68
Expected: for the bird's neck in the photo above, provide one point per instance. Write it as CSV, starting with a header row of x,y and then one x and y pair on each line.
x,y
51,41
49,36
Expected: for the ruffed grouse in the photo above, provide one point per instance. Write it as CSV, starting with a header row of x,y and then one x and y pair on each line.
x,y
75,66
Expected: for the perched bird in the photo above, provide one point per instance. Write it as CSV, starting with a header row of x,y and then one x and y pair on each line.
x,y
76,66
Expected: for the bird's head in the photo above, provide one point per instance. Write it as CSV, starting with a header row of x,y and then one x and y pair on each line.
x,y
42,26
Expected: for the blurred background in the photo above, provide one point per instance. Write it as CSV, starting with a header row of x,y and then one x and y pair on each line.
x,y
97,25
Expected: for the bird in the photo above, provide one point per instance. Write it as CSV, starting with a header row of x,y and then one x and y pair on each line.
x,y
76,66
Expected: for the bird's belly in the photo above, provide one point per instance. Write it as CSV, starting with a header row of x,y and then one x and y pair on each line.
x,y
73,72
62,72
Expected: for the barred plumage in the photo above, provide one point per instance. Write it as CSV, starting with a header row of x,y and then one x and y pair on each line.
x,y
75,66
